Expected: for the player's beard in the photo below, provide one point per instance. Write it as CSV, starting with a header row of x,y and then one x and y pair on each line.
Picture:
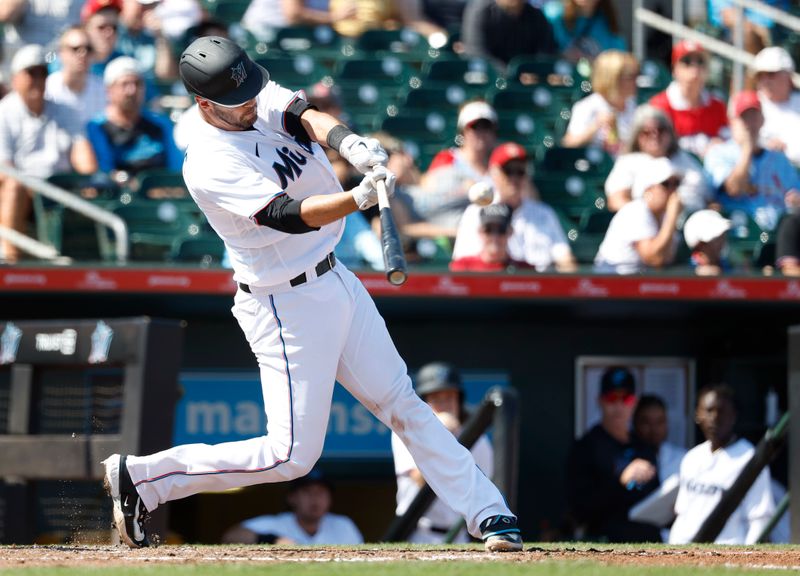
x,y
241,118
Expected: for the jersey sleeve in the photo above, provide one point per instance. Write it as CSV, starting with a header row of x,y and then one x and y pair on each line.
x,y
273,101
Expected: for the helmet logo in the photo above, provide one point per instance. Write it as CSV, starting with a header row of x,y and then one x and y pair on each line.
x,y
238,74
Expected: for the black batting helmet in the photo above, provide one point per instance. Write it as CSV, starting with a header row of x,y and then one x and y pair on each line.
x,y
438,376
219,70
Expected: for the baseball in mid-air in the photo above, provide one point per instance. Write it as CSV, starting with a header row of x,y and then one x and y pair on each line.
x,y
481,193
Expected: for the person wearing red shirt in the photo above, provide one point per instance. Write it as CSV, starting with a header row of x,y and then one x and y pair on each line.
x,y
700,119
494,231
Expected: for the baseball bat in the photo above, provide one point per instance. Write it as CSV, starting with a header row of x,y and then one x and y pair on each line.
x,y
393,260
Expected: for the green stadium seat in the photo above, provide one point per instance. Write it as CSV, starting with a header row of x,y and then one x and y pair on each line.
x,y
573,194
439,96
524,129
227,11
428,127
654,75
320,42
405,44
550,70
594,221
589,161
388,71
467,71
294,71
170,182
203,249
367,103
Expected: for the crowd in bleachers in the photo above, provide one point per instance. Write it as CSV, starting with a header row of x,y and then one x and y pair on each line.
x,y
599,159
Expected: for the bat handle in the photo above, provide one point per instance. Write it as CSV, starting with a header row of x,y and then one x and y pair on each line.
x,y
383,197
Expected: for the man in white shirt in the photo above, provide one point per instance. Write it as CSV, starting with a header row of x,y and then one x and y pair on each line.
x,y
780,103
439,385
643,233
537,237
37,137
308,522
73,86
711,468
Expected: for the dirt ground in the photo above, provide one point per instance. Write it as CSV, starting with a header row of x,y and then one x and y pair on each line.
x,y
84,555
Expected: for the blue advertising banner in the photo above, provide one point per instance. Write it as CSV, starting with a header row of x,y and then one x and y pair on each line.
x,y
220,407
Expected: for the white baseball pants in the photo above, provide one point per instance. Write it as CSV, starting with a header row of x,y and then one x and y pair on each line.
x,y
305,338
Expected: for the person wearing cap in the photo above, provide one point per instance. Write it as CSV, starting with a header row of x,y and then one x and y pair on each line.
x,y
700,119
537,237
37,137
643,233
101,20
494,232
747,177
440,385
780,102
705,234
653,136
308,522
607,472
73,85
442,196
605,117
140,37
257,170
128,137
498,30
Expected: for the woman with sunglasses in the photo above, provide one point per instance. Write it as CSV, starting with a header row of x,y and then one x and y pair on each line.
x,y
654,137
642,234
700,119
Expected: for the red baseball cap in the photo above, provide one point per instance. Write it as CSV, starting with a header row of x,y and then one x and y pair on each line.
x,y
745,100
685,47
92,7
506,153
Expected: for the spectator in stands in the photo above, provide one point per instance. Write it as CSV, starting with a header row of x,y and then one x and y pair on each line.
x,y
439,385
128,137
391,14
501,29
101,20
642,234
177,17
757,27
308,522
442,196
787,249
584,28
710,469
445,13
607,473
37,137
652,136
537,237
651,426
605,118
73,86
700,119
780,103
747,177
140,37
34,22
263,17
494,232
705,233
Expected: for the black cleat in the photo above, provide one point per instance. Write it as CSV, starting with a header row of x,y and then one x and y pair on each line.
x,y
129,510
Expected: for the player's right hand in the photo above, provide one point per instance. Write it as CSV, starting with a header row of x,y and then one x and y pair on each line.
x,y
366,193
363,153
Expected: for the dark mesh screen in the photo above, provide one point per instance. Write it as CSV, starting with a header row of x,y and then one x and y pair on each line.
x,y
72,511
5,386
77,400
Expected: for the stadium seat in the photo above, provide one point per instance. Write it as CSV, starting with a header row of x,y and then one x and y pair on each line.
x,y
295,71
171,183
367,103
427,127
317,41
549,107
203,249
388,71
468,71
550,70
405,44
441,97
227,11
573,194
590,161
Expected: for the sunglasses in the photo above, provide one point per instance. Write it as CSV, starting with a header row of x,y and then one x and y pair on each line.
x,y
514,171
79,48
482,125
653,132
693,61
494,230
671,184
37,71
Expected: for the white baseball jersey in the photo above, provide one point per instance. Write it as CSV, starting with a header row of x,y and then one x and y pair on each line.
x,y
704,476
536,235
333,529
305,337
438,519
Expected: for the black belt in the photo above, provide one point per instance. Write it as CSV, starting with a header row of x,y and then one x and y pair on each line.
x,y
322,266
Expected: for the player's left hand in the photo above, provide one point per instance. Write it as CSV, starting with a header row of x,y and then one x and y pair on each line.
x,y
363,153
366,193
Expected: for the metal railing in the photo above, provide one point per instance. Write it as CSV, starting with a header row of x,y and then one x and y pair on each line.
x,y
68,200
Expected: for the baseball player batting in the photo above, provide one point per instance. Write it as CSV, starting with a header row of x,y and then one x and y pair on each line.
x,y
256,169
